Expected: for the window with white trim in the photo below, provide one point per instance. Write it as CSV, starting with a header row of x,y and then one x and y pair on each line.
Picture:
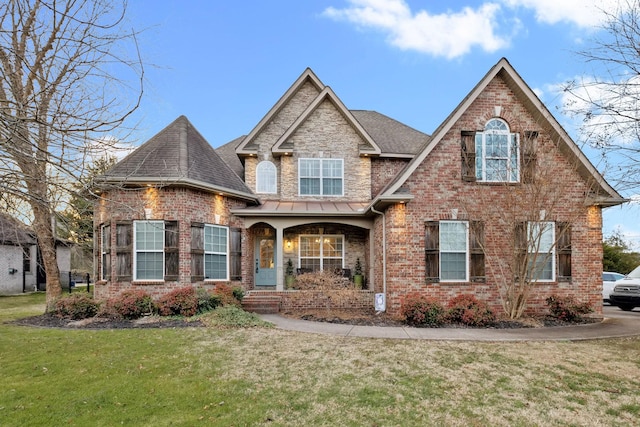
x,y
497,153
216,249
321,252
148,250
320,177
105,251
541,252
454,251
266,177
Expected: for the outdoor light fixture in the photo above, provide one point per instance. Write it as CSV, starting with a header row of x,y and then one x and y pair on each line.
x,y
13,270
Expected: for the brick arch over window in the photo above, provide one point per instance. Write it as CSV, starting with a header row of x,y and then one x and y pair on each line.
x,y
266,177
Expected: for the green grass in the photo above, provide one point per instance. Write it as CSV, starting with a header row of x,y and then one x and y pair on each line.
x,y
264,376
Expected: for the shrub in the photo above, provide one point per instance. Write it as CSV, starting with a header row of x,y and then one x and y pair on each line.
x,y
179,302
130,304
321,280
75,306
207,301
467,310
227,294
420,310
238,293
234,317
567,309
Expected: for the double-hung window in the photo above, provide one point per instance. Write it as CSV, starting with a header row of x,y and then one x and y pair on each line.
x,y
216,259
149,250
541,252
320,177
454,251
497,154
321,252
266,177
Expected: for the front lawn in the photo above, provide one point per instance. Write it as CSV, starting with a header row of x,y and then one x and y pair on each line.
x,y
262,376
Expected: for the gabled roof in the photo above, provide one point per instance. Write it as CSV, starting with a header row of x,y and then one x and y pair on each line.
x,y
179,155
245,148
13,232
369,147
605,194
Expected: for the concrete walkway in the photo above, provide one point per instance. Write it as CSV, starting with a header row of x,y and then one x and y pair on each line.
x,y
610,327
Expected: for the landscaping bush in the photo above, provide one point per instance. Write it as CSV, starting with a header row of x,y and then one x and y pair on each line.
x,y
229,295
130,304
238,293
207,301
467,310
321,280
179,302
75,306
420,310
567,309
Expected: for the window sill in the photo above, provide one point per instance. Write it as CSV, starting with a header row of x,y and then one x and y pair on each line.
x,y
147,282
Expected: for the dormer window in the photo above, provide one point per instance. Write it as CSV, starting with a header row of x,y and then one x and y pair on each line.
x,y
266,177
320,177
497,153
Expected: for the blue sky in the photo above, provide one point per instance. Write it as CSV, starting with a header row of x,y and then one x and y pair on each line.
x,y
223,64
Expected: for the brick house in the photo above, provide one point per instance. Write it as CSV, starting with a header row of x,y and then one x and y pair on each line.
x,y
498,182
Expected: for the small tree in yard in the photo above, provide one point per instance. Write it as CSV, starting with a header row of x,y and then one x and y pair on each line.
x,y
71,75
525,223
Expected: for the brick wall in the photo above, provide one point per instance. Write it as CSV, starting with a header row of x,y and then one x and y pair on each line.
x,y
438,188
172,204
323,300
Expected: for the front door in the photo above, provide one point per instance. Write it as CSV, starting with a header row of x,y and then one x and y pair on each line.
x,y
265,261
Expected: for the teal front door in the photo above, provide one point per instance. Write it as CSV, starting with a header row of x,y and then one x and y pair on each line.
x,y
265,266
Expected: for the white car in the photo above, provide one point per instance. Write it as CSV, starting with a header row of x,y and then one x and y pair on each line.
x,y
626,293
609,279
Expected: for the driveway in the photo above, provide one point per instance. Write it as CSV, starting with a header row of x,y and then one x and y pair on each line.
x,y
615,313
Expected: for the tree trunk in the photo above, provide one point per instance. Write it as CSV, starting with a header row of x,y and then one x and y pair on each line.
x,y
47,244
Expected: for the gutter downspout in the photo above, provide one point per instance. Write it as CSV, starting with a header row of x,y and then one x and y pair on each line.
x,y
384,255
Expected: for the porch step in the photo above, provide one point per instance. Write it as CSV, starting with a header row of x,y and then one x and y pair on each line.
x,y
262,304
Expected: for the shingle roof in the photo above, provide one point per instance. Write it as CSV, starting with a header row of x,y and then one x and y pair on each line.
x,y
13,232
390,135
228,153
178,154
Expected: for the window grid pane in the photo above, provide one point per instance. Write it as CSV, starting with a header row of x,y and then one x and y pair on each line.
x,y
266,177
149,266
320,177
149,250
454,238
541,262
319,252
215,252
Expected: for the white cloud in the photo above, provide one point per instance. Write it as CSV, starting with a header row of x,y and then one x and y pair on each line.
x,y
449,35
583,13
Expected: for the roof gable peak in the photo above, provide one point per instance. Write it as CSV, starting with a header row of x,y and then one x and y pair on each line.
x,y
307,76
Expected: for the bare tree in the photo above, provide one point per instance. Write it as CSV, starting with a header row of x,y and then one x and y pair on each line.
x,y
70,75
608,102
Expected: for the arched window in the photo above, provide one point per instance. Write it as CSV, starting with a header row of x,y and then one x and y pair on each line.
x,y
266,177
497,153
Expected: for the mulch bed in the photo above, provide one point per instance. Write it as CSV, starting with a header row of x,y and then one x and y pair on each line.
x,y
383,319
50,321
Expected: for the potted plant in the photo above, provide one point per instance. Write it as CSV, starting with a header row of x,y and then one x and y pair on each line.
x,y
357,274
289,277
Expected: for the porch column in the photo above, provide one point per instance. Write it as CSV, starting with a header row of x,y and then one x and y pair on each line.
x,y
279,259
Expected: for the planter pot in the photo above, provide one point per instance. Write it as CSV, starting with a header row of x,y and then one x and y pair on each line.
x,y
357,280
288,280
